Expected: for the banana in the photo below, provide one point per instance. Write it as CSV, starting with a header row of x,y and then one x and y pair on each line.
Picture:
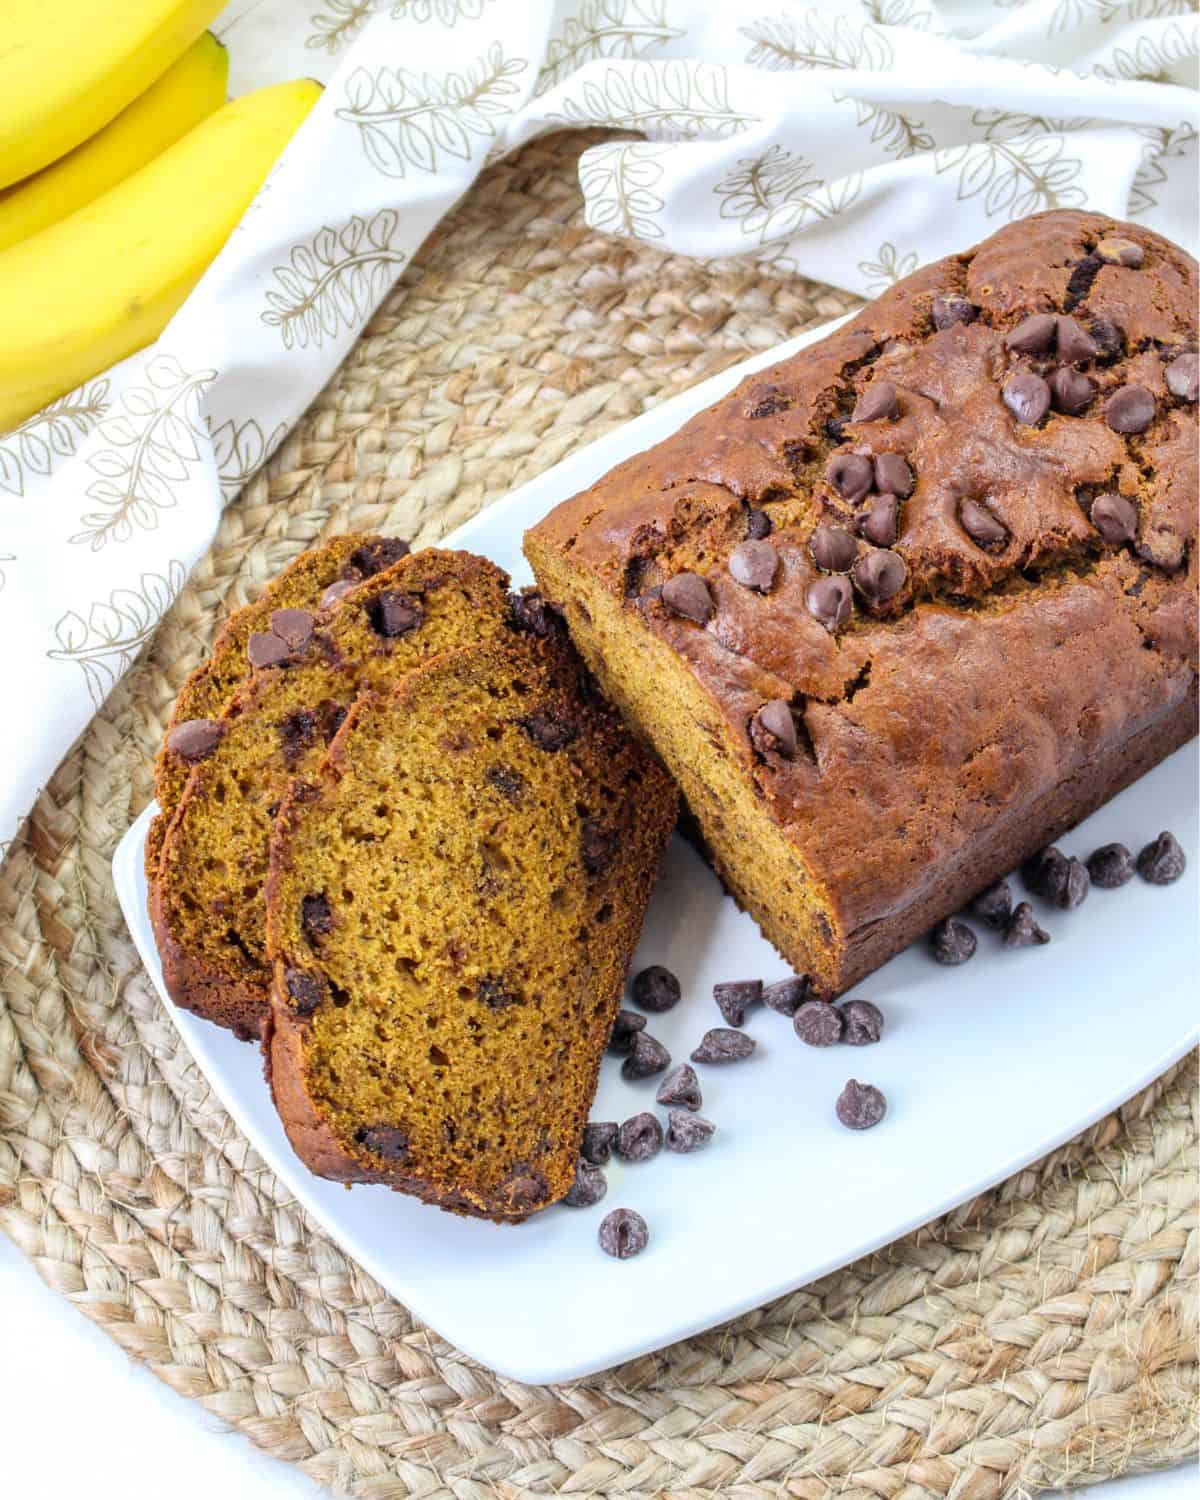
x,y
190,89
68,66
105,281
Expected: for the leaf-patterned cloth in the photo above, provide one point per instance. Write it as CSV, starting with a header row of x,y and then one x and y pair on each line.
x,y
849,140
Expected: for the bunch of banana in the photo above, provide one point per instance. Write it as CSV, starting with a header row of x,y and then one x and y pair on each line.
x,y
122,173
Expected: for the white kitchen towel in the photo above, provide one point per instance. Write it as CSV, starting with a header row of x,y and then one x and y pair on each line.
x,y
849,141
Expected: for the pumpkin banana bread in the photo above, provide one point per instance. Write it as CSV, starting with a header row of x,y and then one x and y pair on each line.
x,y
348,558
453,899
900,610
206,901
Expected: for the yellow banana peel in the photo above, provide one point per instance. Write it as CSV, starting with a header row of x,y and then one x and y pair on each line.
x,y
191,88
105,281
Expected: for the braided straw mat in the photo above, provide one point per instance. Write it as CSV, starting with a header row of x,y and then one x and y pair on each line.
x,y
1043,1334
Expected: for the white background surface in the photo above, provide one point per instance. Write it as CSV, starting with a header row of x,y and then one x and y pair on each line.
x,y
77,1418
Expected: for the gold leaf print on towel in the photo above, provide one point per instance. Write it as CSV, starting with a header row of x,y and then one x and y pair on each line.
x,y
618,187
50,434
105,643
815,40
605,29
667,101
339,25
332,283
152,444
408,120
777,193
1014,178
241,449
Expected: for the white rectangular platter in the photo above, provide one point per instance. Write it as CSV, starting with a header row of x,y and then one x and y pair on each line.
x,y
986,1067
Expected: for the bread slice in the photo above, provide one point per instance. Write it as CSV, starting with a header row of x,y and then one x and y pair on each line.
x,y
352,557
206,901
452,905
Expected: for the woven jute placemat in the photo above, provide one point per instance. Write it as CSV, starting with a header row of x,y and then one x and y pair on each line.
x,y
1043,1334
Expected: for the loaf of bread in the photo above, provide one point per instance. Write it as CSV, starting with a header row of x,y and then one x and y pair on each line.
x,y
348,558
454,896
206,900
903,608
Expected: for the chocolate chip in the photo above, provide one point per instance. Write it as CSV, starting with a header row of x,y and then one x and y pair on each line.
x,y
1074,343
952,942
1162,861
1109,336
864,1022
376,555
720,1045
523,1187
785,996
981,525
688,1132
304,991
734,996
550,729
507,782
598,846
950,308
754,565
1070,392
850,475
337,591
758,525
1027,397
625,1027
656,989
1130,409
297,734
1115,518
877,403
832,548
681,1086
316,917
640,1138
828,601
389,1141
532,614
589,1187
773,729
599,1139
647,1056
266,649
764,401
194,739
1043,870
395,614
687,595
295,626
1183,377
994,906
1110,866
893,475
819,1024
623,1233
879,576
881,523
494,994
1022,930
1066,884
860,1105
1033,335
1120,252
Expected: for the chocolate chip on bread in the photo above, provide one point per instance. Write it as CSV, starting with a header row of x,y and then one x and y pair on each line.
x,y
454,895
338,564
206,901
979,619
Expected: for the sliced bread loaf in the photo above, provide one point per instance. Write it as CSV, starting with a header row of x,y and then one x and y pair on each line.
x,y
206,901
301,585
454,898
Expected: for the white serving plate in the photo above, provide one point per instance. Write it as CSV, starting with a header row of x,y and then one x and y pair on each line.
x,y
986,1068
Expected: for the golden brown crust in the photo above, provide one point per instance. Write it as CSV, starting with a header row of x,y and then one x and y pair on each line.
x,y
934,727
206,899
208,689
458,864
